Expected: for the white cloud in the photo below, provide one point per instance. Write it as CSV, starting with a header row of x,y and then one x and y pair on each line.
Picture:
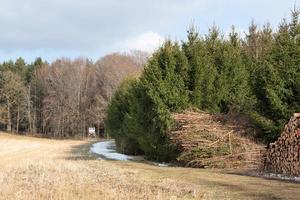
x,y
93,28
148,41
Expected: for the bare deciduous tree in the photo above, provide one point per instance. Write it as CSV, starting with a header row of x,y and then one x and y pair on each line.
x,y
65,98
13,94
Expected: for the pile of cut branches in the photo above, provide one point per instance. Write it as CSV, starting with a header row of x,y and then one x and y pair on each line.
x,y
206,140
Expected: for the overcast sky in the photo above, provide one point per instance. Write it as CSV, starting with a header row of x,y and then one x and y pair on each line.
x,y
92,28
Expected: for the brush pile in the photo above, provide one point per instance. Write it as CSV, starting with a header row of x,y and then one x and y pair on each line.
x,y
283,156
214,141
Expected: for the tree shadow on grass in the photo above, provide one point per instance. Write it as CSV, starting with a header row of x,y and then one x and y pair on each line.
x,y
81,152
260,174
242,191
259,187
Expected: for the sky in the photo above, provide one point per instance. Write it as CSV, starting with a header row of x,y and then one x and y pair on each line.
x,y
93,28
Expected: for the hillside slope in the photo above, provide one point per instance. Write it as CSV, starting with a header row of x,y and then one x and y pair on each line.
x,y
206,140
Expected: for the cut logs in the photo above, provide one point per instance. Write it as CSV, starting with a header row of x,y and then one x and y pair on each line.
x,y
283,156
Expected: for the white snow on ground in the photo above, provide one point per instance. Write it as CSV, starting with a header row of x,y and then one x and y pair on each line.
x,y
282,177
162,164
107,149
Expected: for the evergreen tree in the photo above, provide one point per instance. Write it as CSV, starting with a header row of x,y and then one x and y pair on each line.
x,y
166,75
20,68
251,42
117,113
234,78
191,50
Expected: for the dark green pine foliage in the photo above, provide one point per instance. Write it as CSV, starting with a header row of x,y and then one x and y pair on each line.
x,y
286,58
258,76
163,90
272,78
192,49
139,114
266,84
201,71
234,77
270,98
115,123
8,65
210,85
147,121
20,68
293,73
219,79
166,76
276,78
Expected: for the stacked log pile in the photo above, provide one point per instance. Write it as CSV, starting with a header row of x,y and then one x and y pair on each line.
x,y
207,140
283,156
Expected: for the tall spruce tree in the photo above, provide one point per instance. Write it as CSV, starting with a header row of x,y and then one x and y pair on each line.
x,y
166,76
233,77
195,51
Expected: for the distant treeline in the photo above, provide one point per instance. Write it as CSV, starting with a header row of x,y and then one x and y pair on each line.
x,y
257,75
64,98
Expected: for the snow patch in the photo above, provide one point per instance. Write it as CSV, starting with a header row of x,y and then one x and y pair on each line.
x,y
107,150
162,164
282,177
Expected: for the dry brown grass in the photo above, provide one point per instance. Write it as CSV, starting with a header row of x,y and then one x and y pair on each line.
x,y
48,169
33,168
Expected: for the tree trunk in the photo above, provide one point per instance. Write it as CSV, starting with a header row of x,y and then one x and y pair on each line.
x,y
34,122
35,105
8,117
29,110
18,119
99,127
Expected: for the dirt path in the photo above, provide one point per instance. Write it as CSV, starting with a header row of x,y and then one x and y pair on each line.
x,y
32,168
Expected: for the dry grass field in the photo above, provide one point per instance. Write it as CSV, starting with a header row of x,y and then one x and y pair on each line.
x,y
32,168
